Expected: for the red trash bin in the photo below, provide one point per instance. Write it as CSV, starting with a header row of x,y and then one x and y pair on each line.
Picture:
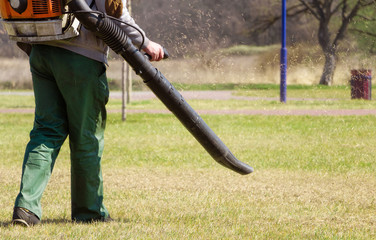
x,y
361,84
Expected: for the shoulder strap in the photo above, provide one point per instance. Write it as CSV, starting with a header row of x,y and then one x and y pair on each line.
x,y
92,4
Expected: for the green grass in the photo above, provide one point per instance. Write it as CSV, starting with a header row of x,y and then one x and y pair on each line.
x,y
314,177
14,101
326,144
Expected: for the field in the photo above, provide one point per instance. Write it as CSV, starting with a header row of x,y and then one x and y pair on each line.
x,y
235,65
314,175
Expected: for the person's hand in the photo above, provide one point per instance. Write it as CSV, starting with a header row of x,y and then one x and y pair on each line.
x,y
155,51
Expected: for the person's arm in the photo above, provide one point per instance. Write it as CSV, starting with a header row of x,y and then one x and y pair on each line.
x,y
155,50
138,37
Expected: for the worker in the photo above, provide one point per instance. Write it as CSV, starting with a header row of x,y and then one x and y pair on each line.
x,y
71,92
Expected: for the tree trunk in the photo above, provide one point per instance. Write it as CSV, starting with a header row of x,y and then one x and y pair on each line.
x,y
329,51
329,68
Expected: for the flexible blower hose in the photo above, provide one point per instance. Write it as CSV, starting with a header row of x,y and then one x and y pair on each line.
x,y
118,41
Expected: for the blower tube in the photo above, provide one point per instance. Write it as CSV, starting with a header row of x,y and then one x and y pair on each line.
x,y
118,41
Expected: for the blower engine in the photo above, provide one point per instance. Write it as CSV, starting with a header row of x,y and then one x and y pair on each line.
x,y
37,20
42,20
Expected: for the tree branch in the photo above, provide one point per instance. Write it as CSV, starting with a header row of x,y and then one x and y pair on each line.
x,y
267,22
366,18
345,22
311,9
344,10
367,3
297,12
336,8
327,9
363,32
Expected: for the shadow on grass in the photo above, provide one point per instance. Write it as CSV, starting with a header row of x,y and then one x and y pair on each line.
x,y
46,221
56,221
8,224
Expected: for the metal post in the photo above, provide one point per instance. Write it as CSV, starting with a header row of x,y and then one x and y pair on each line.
x,y
128,86
123,97
129,70
126,81
283,86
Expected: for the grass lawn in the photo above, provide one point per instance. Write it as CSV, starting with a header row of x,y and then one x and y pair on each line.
x,y
314,176
266,96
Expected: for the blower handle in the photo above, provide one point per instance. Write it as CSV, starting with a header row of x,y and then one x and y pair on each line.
x,y
165,56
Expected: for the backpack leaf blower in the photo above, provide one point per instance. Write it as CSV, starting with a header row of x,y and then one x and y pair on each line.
x,y
38,20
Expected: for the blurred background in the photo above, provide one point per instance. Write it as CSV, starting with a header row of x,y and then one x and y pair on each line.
x,y
238,42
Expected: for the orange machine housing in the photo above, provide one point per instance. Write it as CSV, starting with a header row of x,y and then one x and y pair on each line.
x,y
35,9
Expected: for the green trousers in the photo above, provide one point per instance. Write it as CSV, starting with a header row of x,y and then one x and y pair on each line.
x,y
71,92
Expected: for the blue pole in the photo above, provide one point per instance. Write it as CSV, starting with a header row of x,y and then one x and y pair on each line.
x,y
283,86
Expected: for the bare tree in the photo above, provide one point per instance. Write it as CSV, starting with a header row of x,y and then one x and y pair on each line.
x,y
324,12
334,18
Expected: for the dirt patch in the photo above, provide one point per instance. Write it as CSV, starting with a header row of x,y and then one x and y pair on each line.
x,y
300,112
215,95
